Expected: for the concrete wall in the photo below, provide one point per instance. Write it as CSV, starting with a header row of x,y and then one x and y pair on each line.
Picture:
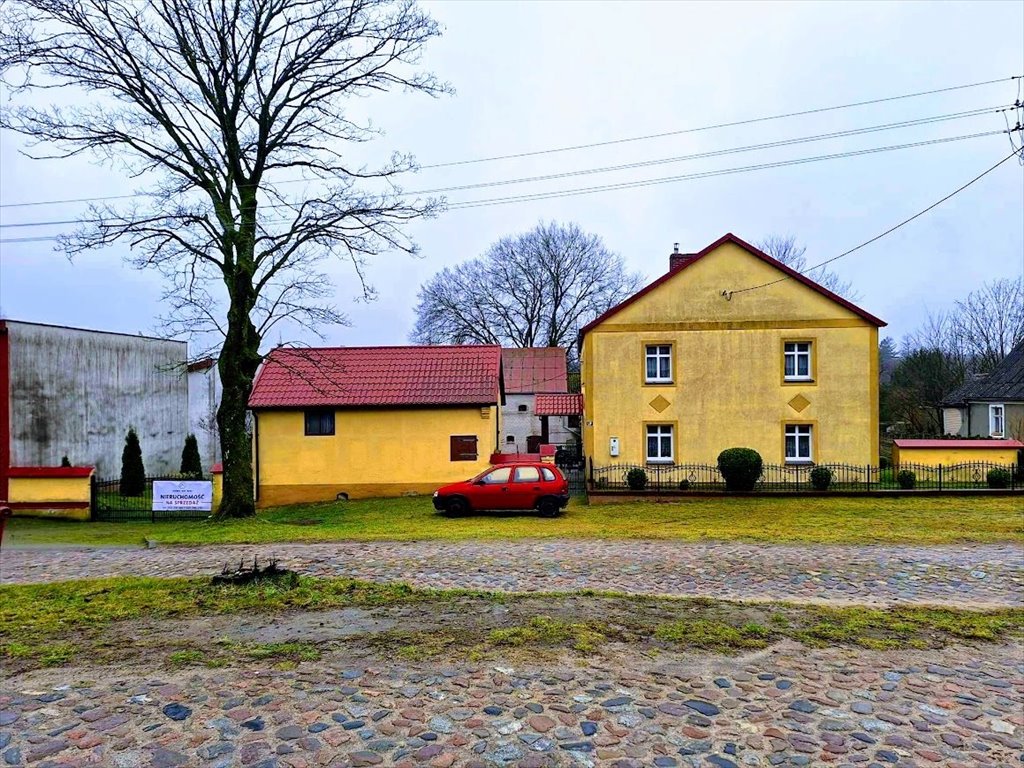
x,y
728,386
373,452
75,393
521,424
204,391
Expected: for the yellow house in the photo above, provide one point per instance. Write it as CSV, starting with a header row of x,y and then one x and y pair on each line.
x,y
693,363
353,422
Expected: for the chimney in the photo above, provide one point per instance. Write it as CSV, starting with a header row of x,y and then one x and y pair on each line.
x,y
677,260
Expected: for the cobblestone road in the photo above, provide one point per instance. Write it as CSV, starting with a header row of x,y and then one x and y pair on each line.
x,y
790,706
962,575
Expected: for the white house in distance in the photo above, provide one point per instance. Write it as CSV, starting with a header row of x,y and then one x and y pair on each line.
x,y
204,390
531,375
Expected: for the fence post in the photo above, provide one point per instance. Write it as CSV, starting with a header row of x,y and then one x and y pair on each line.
x,y
152,506
867,476
93,496
590,462
940,477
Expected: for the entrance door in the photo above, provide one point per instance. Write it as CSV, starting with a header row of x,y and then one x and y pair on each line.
x,y
533,444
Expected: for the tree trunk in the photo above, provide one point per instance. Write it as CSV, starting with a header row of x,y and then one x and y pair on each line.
x,y
238,363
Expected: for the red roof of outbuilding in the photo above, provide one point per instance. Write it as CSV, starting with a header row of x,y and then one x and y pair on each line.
x,y
378,376
534,369
559,405
729,237
994,443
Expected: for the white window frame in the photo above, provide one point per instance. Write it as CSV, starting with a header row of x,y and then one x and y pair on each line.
x,y
658,356
993,408
796,354
799,432
660,431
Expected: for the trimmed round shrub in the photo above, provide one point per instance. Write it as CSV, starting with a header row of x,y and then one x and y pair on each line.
x,y
65,461
684,485
741,468
636,479
906,479
821,478
999,478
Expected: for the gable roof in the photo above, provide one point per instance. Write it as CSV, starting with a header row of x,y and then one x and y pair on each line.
x,y
534,369
378,376
1005,382
691,259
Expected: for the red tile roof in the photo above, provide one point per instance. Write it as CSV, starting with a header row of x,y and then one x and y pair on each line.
x,y
534,369
378,376
938,443
731,238
559,405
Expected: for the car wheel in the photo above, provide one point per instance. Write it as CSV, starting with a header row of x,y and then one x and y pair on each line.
x,y
548,508
457,507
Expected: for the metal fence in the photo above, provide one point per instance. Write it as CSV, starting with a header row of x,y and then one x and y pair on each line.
x,y
108,505
681,478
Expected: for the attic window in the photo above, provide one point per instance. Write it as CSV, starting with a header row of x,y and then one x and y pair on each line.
x,y
522,409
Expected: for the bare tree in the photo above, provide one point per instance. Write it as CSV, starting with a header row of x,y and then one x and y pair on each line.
x,y
978,331
789,252
217,106
536,289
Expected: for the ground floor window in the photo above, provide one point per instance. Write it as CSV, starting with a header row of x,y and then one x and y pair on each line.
x,y
798,443
659,443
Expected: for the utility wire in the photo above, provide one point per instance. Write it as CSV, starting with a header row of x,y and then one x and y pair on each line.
x,y
612,142
629,166
650,182
919,214
707,174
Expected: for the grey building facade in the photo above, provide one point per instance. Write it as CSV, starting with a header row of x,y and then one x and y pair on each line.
x,y
74,392
990,405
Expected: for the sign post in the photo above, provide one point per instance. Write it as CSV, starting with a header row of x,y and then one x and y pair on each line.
x,y
178,495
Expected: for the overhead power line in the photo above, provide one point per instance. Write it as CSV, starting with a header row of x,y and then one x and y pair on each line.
x,y
919,214
708,174
649,182
630,166
611,142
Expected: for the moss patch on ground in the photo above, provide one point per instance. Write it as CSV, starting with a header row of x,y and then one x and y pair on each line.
x,y
811,519
187,622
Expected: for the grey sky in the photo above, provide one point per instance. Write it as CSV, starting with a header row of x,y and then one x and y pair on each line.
x,y
533,76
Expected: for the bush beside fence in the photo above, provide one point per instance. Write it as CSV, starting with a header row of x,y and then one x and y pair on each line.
x,y
780,478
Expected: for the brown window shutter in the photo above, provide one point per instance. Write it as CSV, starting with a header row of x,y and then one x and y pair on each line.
x,y
463,448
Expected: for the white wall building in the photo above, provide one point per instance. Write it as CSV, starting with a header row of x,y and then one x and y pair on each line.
x,y
528,373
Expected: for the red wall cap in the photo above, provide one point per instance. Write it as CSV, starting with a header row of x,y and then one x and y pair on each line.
x,y
50,472
908,443
217,469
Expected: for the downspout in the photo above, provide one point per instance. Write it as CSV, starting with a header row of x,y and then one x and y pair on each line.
x,y
256,454
5,409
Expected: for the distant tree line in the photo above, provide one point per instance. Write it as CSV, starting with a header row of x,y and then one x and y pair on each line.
x,y
969,339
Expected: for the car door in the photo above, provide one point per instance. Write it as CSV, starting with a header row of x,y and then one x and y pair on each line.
x,y
492,490
526,487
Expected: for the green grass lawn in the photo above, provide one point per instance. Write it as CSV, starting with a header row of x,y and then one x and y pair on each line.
x,y
903,519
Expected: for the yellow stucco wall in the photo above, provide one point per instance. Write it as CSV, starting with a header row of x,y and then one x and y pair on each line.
x,y
954,455
41,492
218,492
728,387
372,452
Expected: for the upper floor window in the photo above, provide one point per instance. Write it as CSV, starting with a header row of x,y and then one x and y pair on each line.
x,y
798,443
320,422
798,361
658,363
996,420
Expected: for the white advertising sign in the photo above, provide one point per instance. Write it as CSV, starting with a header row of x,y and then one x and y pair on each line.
x,y
169,495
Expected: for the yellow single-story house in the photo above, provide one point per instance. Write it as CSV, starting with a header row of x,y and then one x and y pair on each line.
x,y
731,348
357,422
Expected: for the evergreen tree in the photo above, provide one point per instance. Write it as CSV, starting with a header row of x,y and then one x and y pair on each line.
x,y
133,472
191,463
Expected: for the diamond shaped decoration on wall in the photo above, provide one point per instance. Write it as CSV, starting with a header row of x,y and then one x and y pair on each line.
x,y
798,403
659,403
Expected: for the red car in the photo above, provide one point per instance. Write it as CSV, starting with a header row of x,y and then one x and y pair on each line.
x,y
507,486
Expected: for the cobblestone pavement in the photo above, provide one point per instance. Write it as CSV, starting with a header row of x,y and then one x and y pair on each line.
x,y
789,706
962,575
